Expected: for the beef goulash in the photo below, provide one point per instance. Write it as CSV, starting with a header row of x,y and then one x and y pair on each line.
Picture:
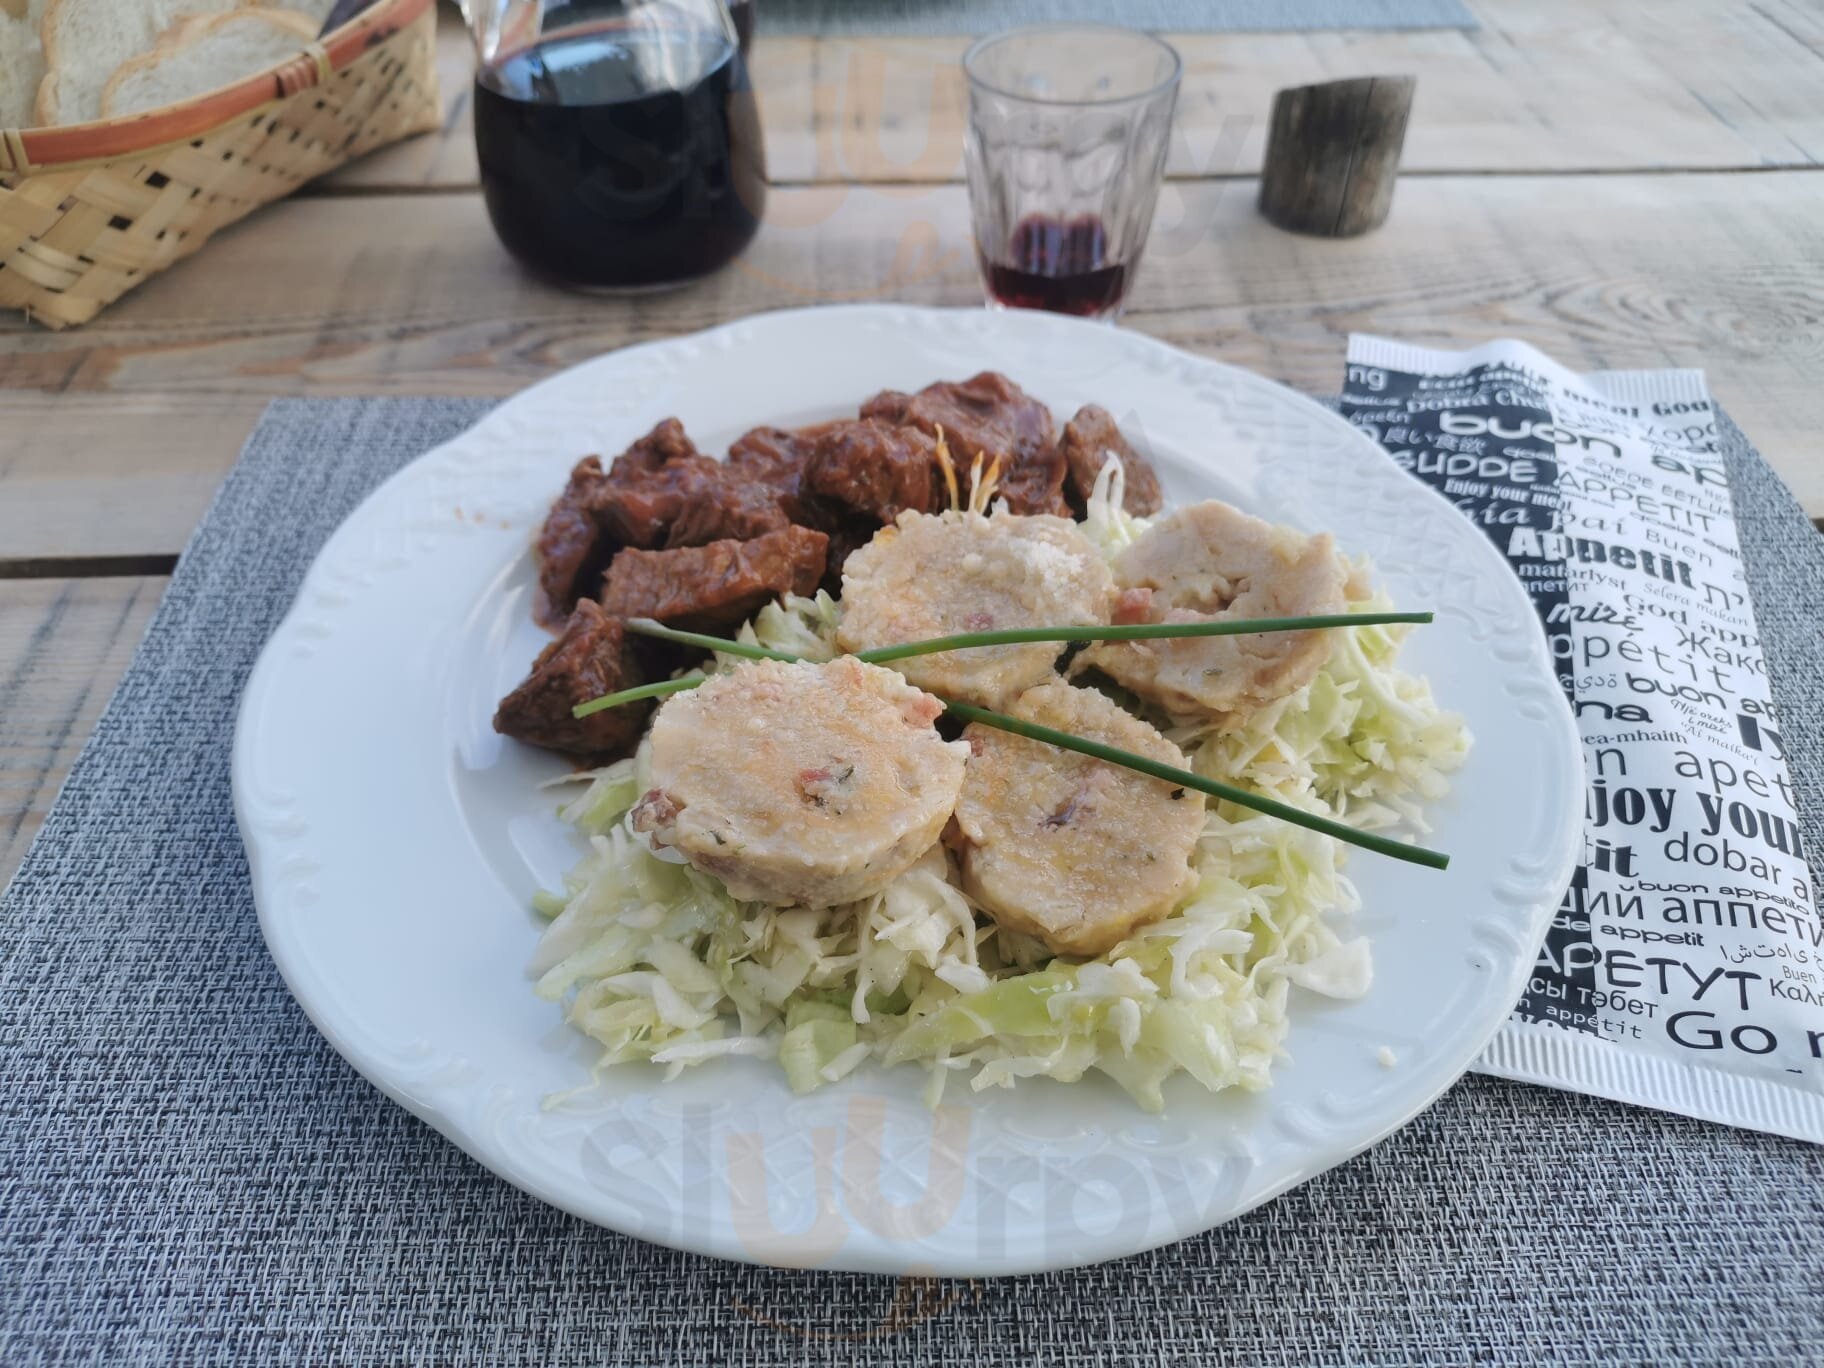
x,y
992,415
709,588
1087,440
667,532
594,656
875,471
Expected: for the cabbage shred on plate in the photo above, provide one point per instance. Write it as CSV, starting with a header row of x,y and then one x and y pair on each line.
x,y
657,962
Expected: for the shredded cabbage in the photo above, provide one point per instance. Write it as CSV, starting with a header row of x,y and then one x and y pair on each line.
x,y
1107,524
1364,738
656,962
802,626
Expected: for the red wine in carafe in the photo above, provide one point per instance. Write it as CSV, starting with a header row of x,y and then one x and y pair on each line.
x,y
1060,265
742,12
622,155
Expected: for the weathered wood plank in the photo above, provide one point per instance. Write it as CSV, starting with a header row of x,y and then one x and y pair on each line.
x,y
64,644
120,478
401,295
1550,85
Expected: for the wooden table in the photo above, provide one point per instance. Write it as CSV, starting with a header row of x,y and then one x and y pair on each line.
x,y
1620,185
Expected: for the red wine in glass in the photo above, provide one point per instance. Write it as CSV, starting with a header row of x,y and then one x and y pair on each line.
x,y
622,155
1065,151
1060,265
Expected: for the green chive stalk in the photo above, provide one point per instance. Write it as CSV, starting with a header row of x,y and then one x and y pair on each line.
x,y
1183,778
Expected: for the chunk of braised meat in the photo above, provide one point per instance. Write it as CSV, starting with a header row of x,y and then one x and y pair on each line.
x,y
709,588
667,494
1088,438
760,488
988,413
572,552
1035,483
594,656
890,406
727,507
633,503
776,458
651,484
876,469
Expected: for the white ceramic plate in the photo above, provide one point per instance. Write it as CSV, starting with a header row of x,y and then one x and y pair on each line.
x,y
395,840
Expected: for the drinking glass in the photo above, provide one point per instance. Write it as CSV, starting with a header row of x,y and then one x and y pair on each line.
x,y
1068,125
618,140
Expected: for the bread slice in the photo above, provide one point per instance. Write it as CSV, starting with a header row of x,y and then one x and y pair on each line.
x,y
85,41
204,54
21,64
316,9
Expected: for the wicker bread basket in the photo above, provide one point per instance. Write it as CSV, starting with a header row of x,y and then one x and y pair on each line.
x,y
90,210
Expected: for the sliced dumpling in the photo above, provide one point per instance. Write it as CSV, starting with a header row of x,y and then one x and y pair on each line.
x,y
932,575
1213,562
808,784
1073,850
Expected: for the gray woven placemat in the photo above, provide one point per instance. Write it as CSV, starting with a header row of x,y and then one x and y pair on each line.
x,y
905,18
189,1174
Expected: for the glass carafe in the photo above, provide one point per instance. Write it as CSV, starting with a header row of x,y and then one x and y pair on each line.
x,y
618,140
